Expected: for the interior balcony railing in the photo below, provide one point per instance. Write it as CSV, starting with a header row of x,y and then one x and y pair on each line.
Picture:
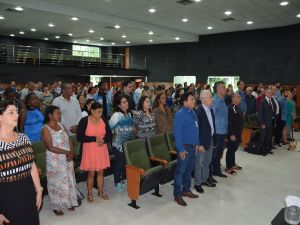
x,y
16,54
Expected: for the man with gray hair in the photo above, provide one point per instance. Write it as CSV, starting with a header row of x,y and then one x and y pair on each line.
x,y
206,120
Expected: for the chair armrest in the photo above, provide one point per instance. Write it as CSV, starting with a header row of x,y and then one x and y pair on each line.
x,y
173,152
141,171
160,161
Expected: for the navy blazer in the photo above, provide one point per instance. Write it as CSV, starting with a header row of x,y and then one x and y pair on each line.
x,y
204,126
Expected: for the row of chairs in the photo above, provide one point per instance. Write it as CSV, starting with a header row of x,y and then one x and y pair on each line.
x,y
149,163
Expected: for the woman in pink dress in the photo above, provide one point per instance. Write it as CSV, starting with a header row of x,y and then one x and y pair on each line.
x,y
94,134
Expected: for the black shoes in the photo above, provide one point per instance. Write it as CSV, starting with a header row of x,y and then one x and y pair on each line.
x,y
180,201
208,184
270,152
199,189
221,175
212,180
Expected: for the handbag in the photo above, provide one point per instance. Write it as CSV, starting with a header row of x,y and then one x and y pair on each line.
x,y
80,196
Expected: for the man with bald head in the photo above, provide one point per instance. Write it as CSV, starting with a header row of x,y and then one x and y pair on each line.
x,y
235,127
250,101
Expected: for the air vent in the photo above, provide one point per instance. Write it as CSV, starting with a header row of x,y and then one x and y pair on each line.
x,y
110,27
12,10
228,19
185,2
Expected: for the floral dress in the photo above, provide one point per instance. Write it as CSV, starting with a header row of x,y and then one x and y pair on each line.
x,y
60,173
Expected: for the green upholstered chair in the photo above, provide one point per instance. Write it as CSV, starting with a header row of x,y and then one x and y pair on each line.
x,y
253,121
40,157
142,176
158,147
171,142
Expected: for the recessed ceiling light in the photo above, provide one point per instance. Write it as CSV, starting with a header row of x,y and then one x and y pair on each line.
x,y
150,40
101,39
127,42
152,10
227,13
177,38
33,29
185,20
117,26
70,34
46,39
2,18
284,3
21,32
57,37
12,35
87,40
74,18
150,33
91,31
298,15
124,36
51,25
197,0
113,43
249,22
209,28
75,42
19,8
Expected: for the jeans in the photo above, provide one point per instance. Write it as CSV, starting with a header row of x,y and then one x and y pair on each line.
x,y
217,153
183,172
202,162
232,146
119,170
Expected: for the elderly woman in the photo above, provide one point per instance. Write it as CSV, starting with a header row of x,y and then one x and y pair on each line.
x,y
20,187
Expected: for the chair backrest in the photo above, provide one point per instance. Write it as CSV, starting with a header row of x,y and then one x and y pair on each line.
x,y
171,140
76,145
135,152
252,119
40,155
158,147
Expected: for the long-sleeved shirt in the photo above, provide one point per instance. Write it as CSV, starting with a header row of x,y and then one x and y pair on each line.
x,y
186,129
283,104
235,121
70,111
221,115
251,104
243,105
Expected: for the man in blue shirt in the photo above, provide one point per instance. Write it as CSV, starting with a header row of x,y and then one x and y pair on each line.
x,y
243,105
221,120
186,134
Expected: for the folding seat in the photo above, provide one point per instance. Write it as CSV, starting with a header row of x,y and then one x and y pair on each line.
x,y
171,142
158,147
253,121
40,157
142,175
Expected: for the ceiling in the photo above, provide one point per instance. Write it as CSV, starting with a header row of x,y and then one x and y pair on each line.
x,y
136,21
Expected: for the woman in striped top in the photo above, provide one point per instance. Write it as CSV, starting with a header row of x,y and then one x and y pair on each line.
x,y
20,187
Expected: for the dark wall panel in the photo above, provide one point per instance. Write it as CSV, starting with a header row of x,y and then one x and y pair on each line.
x,y
260,55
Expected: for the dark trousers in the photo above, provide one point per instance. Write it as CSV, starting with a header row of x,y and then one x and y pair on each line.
x,y
232,146
278,130
183,172
119,170
266,139
215,167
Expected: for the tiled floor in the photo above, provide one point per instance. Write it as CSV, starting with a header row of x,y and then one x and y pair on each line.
x,y
253,197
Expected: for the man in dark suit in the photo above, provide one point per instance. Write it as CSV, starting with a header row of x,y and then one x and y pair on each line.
x,y
206,121
266,115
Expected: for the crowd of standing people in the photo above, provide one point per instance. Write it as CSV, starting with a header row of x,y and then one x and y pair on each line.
x,y
102,119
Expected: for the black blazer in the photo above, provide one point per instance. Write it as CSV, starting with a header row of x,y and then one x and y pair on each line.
x,y
235,122
265,114
81,129
204,126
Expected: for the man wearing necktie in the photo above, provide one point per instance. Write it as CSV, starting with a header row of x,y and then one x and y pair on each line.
x,y
266,115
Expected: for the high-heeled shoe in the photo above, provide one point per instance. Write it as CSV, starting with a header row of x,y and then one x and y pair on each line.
x,y
103,196
89,198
